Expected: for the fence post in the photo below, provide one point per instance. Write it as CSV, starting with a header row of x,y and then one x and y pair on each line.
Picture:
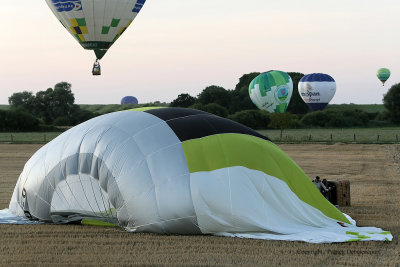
x,y
354,137
12,138
331,138
377,138
309,137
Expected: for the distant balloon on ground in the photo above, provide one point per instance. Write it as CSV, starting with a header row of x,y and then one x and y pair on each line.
x,y
271,91
317,89
383,74
129,100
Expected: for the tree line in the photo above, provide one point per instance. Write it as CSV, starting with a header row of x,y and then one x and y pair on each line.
x,y
236,105
56,106
43,110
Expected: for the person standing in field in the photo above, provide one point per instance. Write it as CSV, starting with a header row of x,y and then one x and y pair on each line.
x,y
325,189
321,186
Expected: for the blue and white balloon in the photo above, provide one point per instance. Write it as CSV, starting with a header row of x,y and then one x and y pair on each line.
x,y
317,90
129,100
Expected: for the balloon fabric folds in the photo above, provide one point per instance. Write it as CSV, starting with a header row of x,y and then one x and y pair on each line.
x,y
178,171
383,75
96,24
317,90
129,100
271,91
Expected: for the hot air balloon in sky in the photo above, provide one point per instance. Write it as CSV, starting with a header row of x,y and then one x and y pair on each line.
x,y
96,25
383,74
129,100
271,91
317,90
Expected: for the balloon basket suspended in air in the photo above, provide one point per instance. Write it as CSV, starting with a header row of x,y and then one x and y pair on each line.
x,y
96,68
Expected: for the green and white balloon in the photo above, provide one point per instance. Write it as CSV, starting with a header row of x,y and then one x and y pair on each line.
x,y
96,25
383,74
271,91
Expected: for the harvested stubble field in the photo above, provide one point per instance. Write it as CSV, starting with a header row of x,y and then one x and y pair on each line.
x,y
374,172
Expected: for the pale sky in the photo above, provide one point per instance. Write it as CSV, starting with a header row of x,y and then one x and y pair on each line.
x,y
183,46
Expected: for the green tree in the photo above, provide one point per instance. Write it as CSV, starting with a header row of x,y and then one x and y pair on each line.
x,y
240,99
343,118
54,103
80,115
212,108
316,118
391,101
23,100
18,119
62,100
245,80
297,105
183,100
281,121
42,106
256,119
214,94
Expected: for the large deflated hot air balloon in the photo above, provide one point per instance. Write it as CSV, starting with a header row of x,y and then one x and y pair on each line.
x,y
178,171
317,90
96,24
271,91
383,75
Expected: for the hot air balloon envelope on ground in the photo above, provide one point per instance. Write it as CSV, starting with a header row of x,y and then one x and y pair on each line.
x,y
317,90
178,171
271,91
129,100
96,25
383,75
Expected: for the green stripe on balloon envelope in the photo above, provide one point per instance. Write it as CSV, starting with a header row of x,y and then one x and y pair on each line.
x,y
383,74
277,77
143,108
281,108
227,150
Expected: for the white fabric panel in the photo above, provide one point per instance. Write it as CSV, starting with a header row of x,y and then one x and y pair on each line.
x,y
249,203
256,95
109,11
155,138
88,11
8,217
317,92
59,15
129,160
65,196
326,235
98,13
172,184
99,6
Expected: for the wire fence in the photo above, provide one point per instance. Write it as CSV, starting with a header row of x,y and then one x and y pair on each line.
x,y
359,135
28,137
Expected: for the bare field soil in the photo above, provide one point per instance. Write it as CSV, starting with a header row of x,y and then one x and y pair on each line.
x,y
375,195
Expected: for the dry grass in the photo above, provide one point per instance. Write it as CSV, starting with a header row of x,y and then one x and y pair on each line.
x,y
375,187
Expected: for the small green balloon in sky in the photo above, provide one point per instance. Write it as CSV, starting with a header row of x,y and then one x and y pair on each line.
x,y
383,74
